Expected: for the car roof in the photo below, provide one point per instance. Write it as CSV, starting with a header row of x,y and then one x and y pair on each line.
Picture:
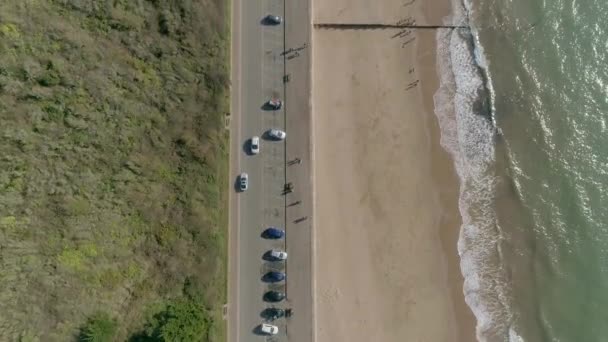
x,y
275,294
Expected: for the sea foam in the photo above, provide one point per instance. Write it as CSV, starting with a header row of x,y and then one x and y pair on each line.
x,y
464,108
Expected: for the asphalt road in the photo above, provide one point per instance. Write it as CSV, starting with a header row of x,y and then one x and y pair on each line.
x,y
258,68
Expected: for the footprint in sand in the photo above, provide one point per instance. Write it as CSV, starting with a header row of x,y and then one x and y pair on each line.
x,y
330,295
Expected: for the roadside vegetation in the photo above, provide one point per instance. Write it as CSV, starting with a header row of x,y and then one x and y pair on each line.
x,y
113,170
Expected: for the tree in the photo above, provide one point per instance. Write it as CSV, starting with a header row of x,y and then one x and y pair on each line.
x,y
185,320
99,328
182,320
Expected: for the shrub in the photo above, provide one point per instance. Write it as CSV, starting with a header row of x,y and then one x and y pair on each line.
x,y
49,79
185,320
99,328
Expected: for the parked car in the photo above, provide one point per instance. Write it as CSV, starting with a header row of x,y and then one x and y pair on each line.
x,y
273,19
274,276
243,181
278,255
274,104
277,134
269,329
274,296
273,233
255,145
273,313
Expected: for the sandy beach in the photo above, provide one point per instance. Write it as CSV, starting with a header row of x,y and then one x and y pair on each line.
x,y
386,217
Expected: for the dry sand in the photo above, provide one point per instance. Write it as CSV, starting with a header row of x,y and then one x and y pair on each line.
x,y
386,218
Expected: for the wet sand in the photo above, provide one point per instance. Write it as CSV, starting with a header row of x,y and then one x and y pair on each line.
x,y
386,218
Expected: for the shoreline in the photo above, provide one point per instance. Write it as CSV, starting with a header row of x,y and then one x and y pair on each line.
x,y
416,257
444,173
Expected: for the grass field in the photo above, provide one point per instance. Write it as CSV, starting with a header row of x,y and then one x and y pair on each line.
x,y
113,169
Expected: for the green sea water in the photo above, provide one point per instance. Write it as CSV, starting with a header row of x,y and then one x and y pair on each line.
x,y
523,109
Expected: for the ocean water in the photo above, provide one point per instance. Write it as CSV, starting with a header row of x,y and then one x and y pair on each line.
x,y
523,110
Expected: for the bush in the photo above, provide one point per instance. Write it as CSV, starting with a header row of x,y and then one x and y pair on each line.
x,y
50,79
185,320
99,328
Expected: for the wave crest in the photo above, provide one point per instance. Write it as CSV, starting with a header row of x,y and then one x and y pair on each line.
x,y
463,106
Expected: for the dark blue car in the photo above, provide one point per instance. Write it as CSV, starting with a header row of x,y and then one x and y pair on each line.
x,y
273,233
274,296
274,277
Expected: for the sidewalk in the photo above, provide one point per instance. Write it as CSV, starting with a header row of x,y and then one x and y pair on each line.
x,y
299,216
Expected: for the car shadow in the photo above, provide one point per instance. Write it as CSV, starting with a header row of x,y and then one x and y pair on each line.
x,y
267,107
268,257
258,331
247,147
237,185
266,136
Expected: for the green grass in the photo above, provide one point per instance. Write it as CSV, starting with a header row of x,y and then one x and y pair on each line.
x,y
113,168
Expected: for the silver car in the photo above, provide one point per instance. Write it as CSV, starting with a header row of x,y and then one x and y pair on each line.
x,y
276,254
269,329
277,134
255,145
243,181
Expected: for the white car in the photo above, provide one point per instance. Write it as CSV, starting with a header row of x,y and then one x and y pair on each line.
x,y
243,181
274,104
277,134
278,255
269,329
255,145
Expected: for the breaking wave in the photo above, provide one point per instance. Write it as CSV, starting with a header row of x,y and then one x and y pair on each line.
x,y
465,111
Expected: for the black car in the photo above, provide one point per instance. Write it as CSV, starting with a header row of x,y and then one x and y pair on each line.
x,y
273,313
273,19
274,296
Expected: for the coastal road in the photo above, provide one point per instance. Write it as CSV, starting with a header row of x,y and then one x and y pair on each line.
x,y
260,77
258,66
